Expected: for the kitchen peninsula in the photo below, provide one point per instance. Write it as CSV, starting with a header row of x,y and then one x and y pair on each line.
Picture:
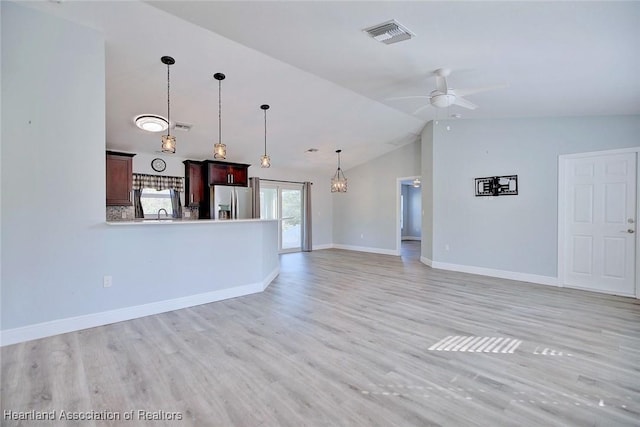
x,y
159,263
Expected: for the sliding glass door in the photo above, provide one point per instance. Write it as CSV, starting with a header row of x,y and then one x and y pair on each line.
x,y
283,201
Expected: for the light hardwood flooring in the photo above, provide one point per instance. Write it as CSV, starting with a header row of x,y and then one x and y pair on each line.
x,y
342,338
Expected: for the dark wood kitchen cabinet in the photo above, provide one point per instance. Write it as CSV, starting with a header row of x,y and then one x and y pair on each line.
x,y
227,173
119,168
194,183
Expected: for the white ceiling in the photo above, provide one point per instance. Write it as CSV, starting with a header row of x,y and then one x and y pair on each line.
x,y
329,84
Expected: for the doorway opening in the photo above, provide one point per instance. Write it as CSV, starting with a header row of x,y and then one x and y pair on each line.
x,y
409,215
283,201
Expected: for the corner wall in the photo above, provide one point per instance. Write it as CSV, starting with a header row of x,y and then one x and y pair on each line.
x,y
509,233
365,217
427,194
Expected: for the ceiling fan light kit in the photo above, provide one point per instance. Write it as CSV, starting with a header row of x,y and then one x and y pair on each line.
x,y
444,97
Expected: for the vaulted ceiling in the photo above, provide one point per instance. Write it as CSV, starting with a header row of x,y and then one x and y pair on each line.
x,y
330,85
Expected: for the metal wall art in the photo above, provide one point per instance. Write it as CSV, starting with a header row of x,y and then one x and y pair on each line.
x,y
497,186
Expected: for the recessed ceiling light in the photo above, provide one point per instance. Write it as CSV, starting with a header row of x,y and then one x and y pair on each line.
x,y
311,150
151,122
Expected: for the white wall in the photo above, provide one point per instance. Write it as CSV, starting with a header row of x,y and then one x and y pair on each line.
x,y
56,245
365,217
509,233
427,193
53,171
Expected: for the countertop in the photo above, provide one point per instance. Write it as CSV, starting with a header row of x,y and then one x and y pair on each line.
x,y
184,221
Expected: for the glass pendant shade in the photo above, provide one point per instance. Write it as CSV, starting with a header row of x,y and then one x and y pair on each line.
x,y
339,181
168,140
416,182
220,151
265,161
168,144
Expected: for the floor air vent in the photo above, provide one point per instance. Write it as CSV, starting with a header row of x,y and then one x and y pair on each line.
x,y
476,344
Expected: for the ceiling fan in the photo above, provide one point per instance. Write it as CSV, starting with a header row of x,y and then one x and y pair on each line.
x,y
444,96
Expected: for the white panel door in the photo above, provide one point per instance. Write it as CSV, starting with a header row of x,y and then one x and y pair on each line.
x,y
600,218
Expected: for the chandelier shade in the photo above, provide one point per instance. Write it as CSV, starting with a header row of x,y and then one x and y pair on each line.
x,y
339,181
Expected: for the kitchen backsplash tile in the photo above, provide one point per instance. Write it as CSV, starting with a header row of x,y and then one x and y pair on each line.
x,y
127,213
120,213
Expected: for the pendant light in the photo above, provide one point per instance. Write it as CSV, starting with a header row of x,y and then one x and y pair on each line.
x,y
168,140
339,182
219,149
265,160
416,182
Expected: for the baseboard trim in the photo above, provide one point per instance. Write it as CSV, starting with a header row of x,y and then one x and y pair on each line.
x,y
321,247
599,291
426,261
367,249
502,274
72,324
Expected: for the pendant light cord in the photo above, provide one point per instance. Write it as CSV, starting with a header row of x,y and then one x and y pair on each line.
x,y
265,132
168,101
219,111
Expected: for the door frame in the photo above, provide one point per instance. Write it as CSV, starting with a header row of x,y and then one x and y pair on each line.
x,y
279,186
398,193
562,208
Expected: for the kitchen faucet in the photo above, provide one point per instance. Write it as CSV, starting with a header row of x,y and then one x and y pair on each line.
x,y
165,212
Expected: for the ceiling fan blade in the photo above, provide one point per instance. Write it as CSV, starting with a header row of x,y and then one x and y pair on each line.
x,y
421,108
406,97
464,103
465,92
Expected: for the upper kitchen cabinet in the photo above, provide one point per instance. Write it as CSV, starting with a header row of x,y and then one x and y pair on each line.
x,y
227,173
119,178
194,183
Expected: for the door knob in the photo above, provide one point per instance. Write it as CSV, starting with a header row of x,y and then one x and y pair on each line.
x,y
631,231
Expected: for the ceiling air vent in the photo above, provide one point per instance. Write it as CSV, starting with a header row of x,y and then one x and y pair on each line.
x,y
182,126
389,32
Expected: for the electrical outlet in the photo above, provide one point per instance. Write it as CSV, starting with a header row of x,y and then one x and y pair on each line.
x,y
362,236
187,214
446,248
124,215
107,282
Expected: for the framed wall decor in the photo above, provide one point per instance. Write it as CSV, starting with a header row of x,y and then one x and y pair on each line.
x,y
506,185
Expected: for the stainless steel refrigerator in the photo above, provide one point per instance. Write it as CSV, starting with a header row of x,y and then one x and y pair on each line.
x,y
236,201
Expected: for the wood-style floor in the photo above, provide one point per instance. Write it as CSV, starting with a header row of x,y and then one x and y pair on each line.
x,y
343,338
